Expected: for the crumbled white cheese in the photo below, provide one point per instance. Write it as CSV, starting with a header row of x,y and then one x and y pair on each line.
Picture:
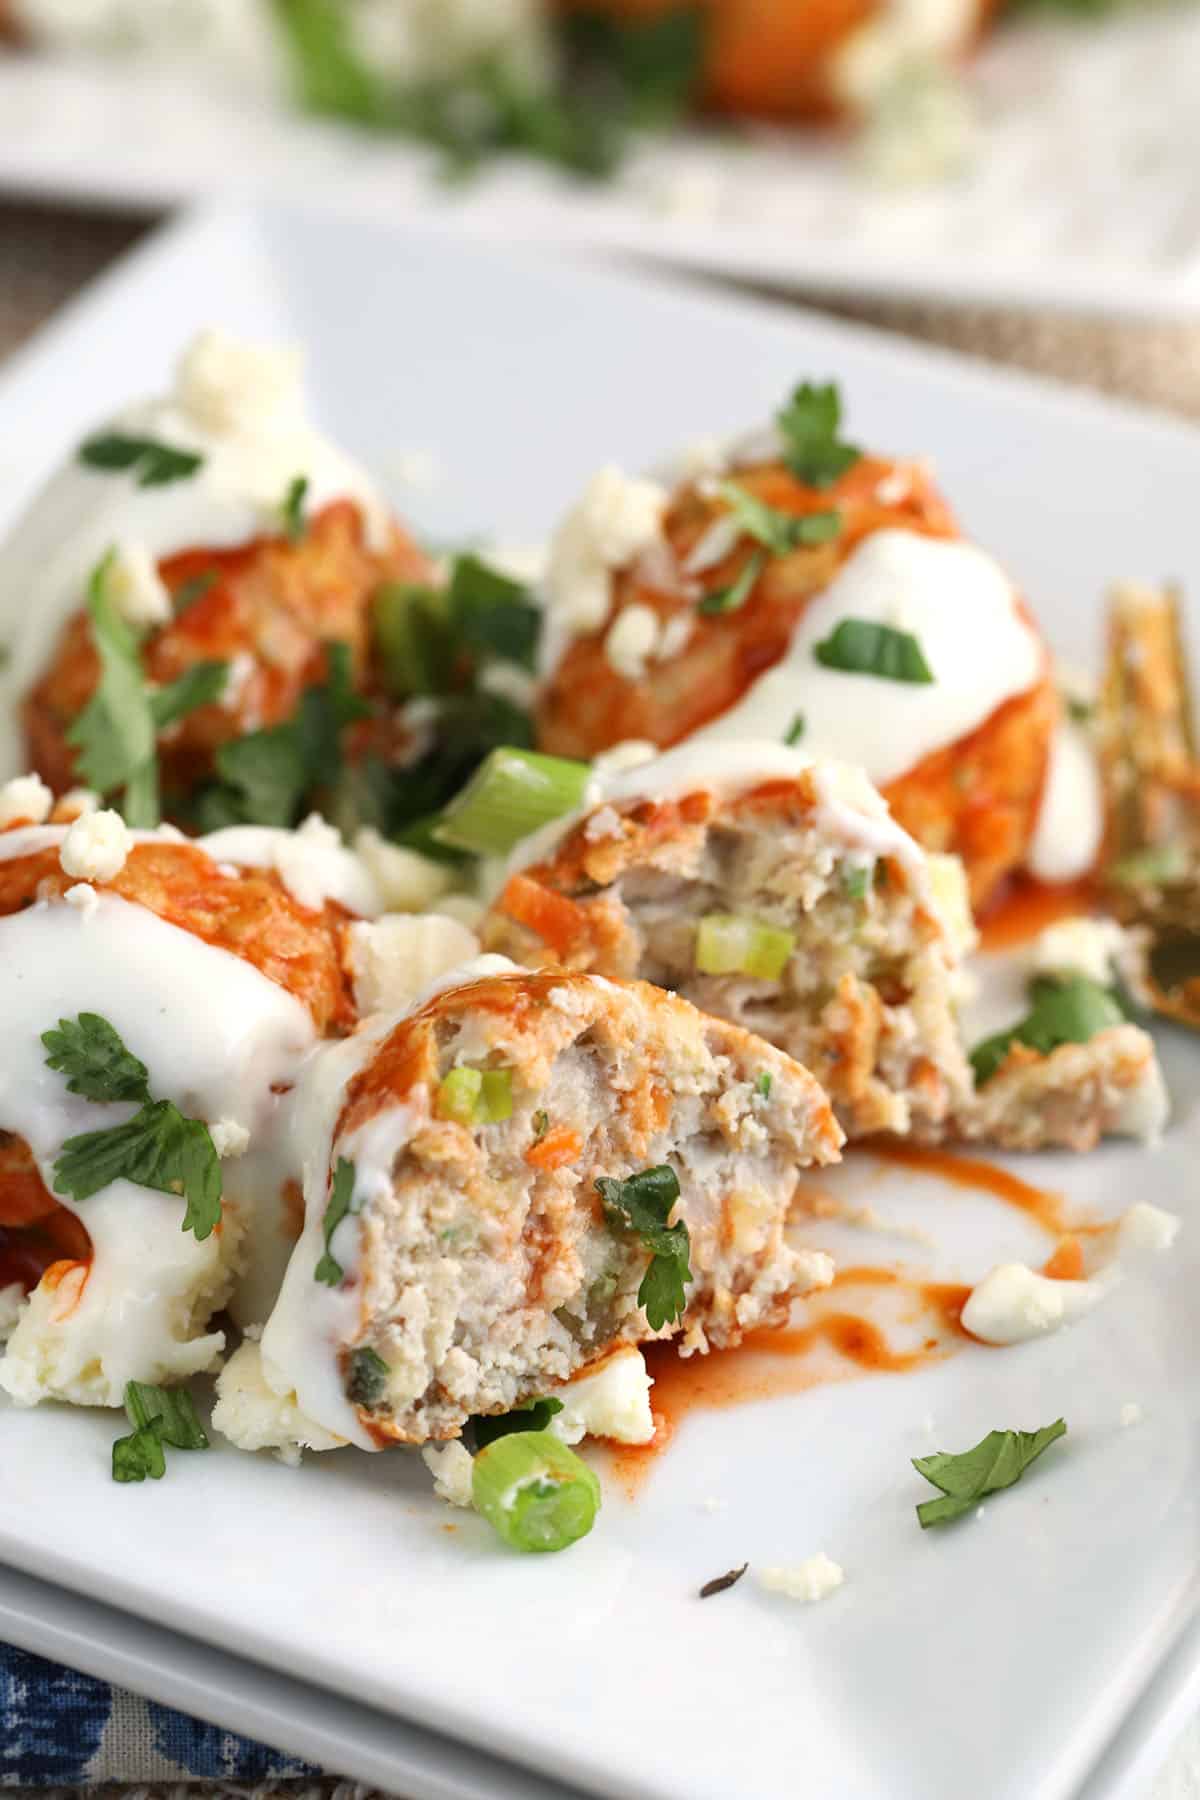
x,y
675,636
73,804
227,386
394,959
12,1299
83,896
229,1138
612,1401
312,862
407,881
96,846
813,1579
26,800
1080,946
1131,1414
704,455
615,520
1145,1107
135,586
451,1466
253,1417
1146,1227
605,822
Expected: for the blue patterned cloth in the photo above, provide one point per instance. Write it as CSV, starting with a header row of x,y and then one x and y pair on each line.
x,y
61,1729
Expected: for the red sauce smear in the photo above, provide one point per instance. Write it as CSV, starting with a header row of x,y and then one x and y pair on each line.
x,y
1027,907
969,1172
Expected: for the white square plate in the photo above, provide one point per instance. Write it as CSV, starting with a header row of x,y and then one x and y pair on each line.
x,y
1082,188
1032,1653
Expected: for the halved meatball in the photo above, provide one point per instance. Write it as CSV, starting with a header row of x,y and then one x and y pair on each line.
x,y
268,608
782,898
475,1260
1071,1097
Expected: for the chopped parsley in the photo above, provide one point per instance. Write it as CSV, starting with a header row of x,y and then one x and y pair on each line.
x,y
159,1416
340,1206
294,521
722,1583
861,647
115,735
159,1147
541,1125
795,730
488,1427
810,425
269,777
367,1377
996,1462
857,879
155,464
776,530
641,1205
435,641
764,1084
1061,1012
732,598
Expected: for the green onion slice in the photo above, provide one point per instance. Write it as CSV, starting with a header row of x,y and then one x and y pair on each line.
x,y
729,945
511,794
535,1492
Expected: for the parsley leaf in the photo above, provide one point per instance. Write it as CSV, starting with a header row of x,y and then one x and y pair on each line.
x,y
367,1377
488,1427
115,734
94,1059
764,1084
857,879
996,1462
157,1148
155,464
340,1205
268,776
734,597
329,73
493,614
776,530
171,1411
198,686
642,1204
810,423
294,521
861,647
795,730
1062,1012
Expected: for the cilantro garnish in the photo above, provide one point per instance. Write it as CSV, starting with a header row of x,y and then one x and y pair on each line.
x,y
423,632
996,1462
856,880
795,730
268,776
114,736
732,598
776,530
157,1148
294,521
810,424
1062,1012
861,647
642,1204
488,1427
340,1206
764,1084
159,1416
154,463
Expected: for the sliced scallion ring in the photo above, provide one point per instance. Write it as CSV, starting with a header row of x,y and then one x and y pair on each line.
x,y
510,795
535,1492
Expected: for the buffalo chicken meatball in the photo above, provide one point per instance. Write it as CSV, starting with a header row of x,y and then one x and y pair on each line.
x,y
481,1197
848,617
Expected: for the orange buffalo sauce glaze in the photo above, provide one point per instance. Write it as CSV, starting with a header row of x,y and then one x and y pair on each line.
x,y
839,1341
1027,907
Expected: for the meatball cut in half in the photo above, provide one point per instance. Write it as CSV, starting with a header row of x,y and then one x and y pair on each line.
x,y
527,1171
772,891
841,610
160,1002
